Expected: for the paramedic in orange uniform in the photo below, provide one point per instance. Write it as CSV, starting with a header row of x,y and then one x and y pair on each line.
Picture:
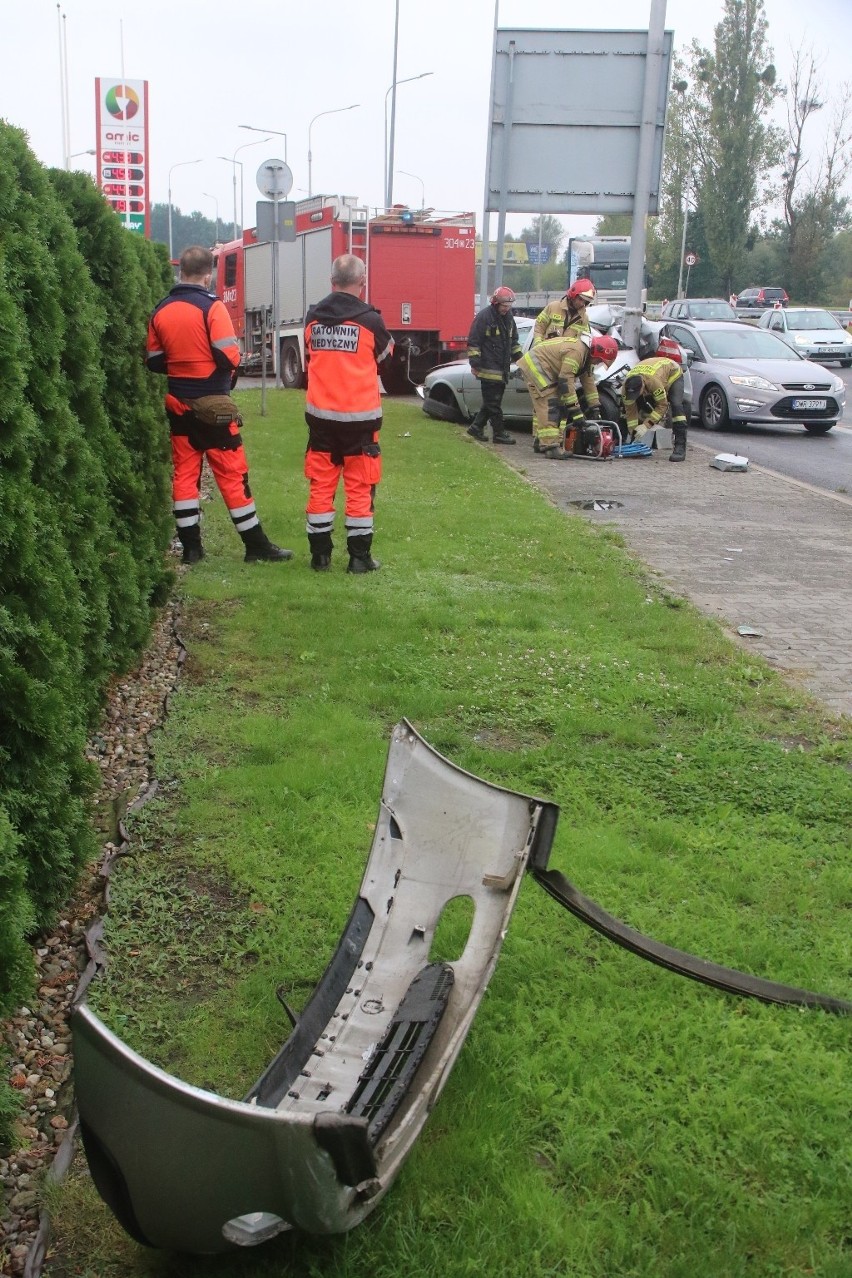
x,y
191,339
346,344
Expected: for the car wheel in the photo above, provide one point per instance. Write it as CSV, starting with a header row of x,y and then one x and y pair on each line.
x,y
610,407
291,365
713,409
818,428
441,405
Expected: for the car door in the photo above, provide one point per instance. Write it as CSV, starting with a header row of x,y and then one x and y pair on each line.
x,y
698,367
516,398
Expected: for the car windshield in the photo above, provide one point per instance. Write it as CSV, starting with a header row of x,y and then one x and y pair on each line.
x,y
811,320
745,343
711,311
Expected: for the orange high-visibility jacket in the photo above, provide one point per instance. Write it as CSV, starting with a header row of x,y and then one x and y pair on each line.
x,y
191,339
346,343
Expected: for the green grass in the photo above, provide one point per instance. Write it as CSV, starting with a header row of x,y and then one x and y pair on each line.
x,y
605,1119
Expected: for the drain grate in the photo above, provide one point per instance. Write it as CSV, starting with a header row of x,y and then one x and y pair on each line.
x,y
596,503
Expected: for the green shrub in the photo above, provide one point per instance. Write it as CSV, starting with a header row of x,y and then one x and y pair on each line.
x,y
84,474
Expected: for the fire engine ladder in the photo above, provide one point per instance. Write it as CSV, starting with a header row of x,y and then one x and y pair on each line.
x,y
358,236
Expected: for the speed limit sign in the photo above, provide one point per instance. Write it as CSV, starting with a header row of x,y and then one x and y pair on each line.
x,y
691,259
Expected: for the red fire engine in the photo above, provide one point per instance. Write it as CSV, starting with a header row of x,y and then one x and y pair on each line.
x,y
420,275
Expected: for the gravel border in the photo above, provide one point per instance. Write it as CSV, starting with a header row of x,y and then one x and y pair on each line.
x,y
38,1038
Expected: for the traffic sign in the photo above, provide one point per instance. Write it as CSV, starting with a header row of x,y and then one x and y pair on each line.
x,y
274,179
691,259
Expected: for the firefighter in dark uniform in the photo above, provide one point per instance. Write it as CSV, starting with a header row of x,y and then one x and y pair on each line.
x,y
346,345
569,312
653,389
492,346
191,339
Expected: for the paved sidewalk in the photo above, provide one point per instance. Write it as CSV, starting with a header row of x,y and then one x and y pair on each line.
x,y
753,549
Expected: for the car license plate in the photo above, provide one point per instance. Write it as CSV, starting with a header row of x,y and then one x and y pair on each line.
x,y
809,405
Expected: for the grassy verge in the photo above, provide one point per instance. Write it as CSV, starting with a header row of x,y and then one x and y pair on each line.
x,y
605,1118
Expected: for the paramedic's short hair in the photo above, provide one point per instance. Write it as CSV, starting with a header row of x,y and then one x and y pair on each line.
x,y
347,270
196,261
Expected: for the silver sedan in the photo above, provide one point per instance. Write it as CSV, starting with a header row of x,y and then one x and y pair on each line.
x,y
743,374
811,332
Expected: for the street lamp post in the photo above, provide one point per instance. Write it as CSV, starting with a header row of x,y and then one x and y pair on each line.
x,y
686,195
277,133
334,111
208,196
422,186
234,161
74,154
179,165
389,162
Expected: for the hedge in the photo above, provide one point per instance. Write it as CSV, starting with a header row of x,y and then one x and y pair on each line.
x,y
85,518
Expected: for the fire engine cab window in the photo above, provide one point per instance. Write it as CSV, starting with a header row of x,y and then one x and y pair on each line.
x,y
230,270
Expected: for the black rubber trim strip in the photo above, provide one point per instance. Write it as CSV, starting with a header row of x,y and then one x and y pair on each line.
x,y
697,969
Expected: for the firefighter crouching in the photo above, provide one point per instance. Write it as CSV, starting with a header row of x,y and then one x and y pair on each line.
x,y
653,389
346,343
551,371
569,312
492,347
191,339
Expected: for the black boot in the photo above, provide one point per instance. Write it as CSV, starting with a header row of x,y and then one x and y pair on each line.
x,y
259,549
476,432
678,453
502,437
360,559
190,540
321,547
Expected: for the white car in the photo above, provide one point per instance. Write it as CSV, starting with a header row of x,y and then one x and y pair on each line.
x,y
812,332
451,393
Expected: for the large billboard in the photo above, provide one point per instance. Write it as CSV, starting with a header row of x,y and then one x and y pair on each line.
x,y
566,113
122,142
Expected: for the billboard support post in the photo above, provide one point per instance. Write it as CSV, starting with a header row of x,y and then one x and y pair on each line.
x,y
654,64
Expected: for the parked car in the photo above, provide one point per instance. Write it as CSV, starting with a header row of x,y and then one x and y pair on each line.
x,y
700,308
451,393
811,332
760,299
744,374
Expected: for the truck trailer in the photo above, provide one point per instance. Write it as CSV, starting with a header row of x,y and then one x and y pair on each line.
x,y
420,275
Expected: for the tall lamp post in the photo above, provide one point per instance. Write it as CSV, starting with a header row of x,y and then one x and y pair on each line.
x,y
208,196
234,161
405,173
276,132
389,161
179,165
334,111
686,196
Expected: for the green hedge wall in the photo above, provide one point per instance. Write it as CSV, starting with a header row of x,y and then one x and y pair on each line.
x,y
84,513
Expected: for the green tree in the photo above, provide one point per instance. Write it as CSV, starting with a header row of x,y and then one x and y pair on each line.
x,y
733,90
187,228
815,206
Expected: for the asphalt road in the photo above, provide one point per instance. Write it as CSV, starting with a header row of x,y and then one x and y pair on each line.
x,y
822,460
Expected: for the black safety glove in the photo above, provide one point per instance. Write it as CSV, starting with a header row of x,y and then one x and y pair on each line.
x,y
593,414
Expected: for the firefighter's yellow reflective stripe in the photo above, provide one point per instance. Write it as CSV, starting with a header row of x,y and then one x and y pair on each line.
x,y
490,375
535,372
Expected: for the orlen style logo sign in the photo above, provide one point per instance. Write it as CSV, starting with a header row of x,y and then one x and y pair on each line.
x,y
122,138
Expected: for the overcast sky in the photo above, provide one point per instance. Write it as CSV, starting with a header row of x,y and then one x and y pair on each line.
x,y
276,64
